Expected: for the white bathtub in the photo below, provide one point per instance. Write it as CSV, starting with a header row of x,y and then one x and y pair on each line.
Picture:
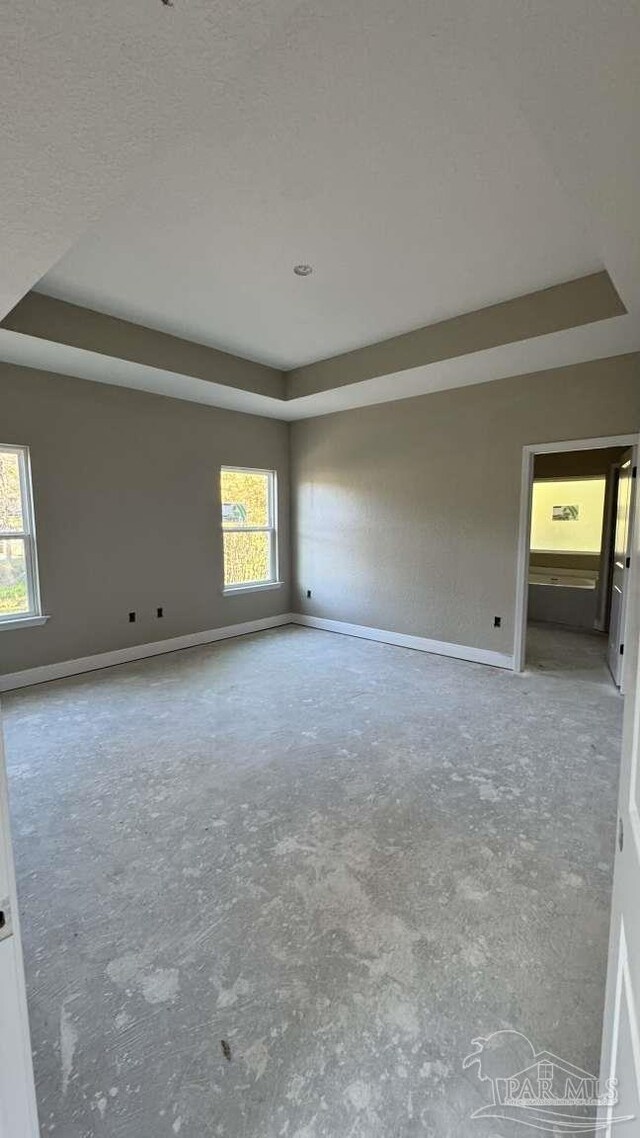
x,y
563,596
564,578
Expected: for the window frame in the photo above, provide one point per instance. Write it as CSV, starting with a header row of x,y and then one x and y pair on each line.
x,y
34,614
274,581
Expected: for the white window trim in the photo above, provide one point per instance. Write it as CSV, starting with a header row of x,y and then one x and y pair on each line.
x,y
34,616
259,587
274,581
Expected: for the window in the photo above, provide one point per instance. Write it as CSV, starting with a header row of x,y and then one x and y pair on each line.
x,y
249,530
19,593
566,515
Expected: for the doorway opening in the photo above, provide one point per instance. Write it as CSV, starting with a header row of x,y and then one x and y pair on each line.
x,y
574,557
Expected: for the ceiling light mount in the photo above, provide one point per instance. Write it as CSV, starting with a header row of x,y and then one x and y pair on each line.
x,y
303,270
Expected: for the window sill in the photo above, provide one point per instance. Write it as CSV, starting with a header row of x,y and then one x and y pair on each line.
x,y
22,622
231,590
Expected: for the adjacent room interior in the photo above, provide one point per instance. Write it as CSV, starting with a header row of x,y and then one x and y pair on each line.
x,y
319,409
581,506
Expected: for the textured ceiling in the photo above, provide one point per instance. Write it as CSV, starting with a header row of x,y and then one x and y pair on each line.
x,y
92,93
427,158
382,151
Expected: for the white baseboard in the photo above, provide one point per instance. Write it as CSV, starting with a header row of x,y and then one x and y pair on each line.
x,y
137,652
58,671
401,640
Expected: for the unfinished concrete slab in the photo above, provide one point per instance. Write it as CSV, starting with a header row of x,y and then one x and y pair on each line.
x,y
276,886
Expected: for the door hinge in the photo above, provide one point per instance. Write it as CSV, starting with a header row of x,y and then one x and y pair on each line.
x,y
634,472
627,562
6,924
622,649
620,834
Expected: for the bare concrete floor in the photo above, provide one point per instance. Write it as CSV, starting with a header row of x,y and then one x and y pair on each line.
x,y
343,859
564,652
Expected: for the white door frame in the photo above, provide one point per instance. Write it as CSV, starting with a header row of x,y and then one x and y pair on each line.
x,y
522,575
18,1110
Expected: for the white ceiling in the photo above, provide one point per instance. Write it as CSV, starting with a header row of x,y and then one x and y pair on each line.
x,y
427,158
92,92
382,151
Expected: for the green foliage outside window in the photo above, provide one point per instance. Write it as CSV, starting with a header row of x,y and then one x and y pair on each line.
x,y
14,596
246,503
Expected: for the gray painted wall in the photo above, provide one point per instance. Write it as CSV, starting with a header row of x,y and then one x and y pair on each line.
x,y
406,514
127,513
576,463
566,305
47,318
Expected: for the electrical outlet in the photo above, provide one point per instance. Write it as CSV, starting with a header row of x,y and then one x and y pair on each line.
x,y
132,618
308,594
159,612
497,622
